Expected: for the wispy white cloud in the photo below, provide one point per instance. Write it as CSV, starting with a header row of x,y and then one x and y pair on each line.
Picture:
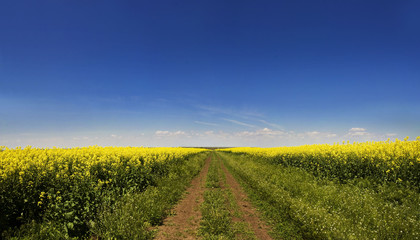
x,y
160,133
356,129
331,135
206,123
260,132
358,132
313,134
274,125
239,123
229,112
317,134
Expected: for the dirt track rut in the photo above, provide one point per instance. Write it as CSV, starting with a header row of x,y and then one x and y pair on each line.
x,y
184,222
249,214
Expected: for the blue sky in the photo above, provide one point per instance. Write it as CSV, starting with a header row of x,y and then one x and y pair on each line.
x,y
208,73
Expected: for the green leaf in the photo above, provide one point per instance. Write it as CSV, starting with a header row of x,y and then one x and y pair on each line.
x,y
70,225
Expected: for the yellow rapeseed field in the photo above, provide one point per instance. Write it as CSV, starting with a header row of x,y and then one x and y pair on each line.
x,y
34,163
397,161
70,183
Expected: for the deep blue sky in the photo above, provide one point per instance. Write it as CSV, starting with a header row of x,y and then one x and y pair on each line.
x,y
170,73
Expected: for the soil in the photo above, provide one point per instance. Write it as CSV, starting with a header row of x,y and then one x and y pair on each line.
x,y
185,221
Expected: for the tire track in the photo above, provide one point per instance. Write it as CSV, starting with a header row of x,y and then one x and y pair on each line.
x,y
185,222
249,214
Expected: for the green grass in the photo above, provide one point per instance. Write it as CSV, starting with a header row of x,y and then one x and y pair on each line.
x,y
219,207
301,206
216,218
216,222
